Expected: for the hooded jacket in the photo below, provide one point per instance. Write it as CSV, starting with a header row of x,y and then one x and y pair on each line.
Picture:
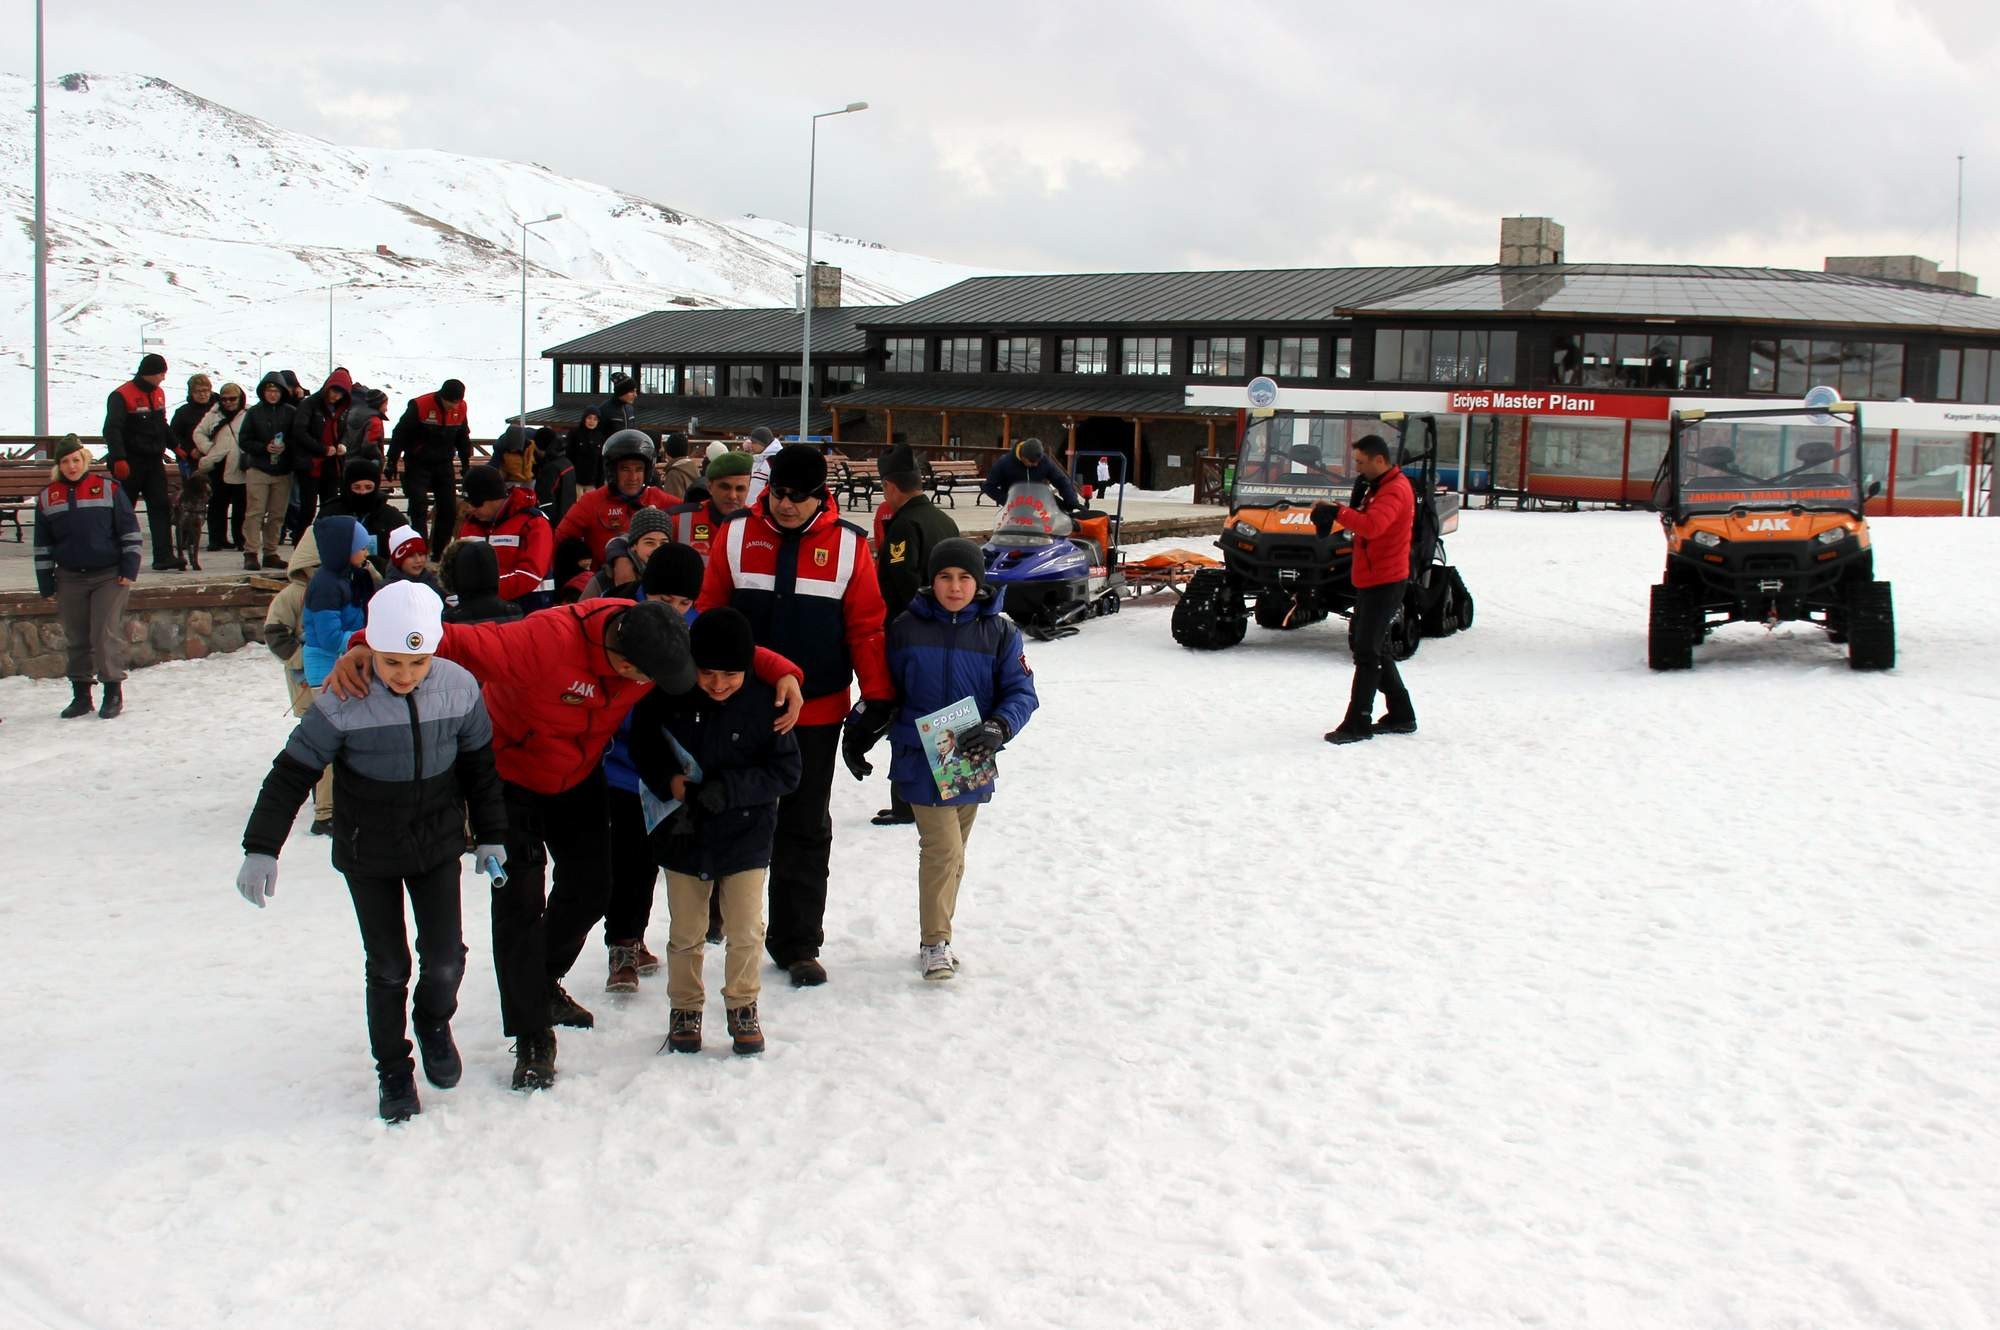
x,y
216,442
555,484
373,510
604,512
937,657
430,433
586,448
284,620
734,745
1010,471
316,424
362,426
521,541
475,580
1383,526
336,603
86,527
264,423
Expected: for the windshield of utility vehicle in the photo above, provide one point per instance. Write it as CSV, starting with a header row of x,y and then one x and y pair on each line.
x,y
1770,462
1302,457
1032,515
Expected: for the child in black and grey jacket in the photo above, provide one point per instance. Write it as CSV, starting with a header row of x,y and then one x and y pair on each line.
x,y
409,760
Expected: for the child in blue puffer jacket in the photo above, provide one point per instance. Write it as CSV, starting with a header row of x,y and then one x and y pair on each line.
x,y
953,643
337,597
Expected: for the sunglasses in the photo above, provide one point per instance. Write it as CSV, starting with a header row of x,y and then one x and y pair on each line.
x,y
784,495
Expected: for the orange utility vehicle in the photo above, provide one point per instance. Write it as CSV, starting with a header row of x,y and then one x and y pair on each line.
x,y
1765,522
1272,554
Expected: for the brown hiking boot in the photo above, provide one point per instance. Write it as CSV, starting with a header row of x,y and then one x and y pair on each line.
x,y
808,973
643,960
624,976
684,1035
746,1036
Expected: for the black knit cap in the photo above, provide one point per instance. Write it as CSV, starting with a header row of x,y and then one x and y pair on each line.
x,y
360,468
151,363
800,467
654,638
675,445
451,391
958,552
674,570
484,484
721,640
898,461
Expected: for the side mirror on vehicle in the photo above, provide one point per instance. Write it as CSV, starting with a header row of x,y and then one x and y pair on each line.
x,y
1874,488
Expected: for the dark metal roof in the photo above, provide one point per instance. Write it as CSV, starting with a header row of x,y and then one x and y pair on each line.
x,y
1283,295
738,414
1744,295
725,332
1041,401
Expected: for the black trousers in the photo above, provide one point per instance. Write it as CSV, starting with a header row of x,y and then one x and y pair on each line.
x,y
1374,663
422,483
378,908
146,478
225,514
797,927
635,871
558,880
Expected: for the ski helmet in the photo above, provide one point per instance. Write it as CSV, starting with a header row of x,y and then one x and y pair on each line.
x,y
628,443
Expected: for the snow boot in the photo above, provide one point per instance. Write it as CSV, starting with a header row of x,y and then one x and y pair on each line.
x,y
322,826
937,961
398,1101
1395,725
808,973
250,564
1351,732
624,976
80,703
114,701
566,1010
644,961
535,1060
274,563
442,1065
684,1035
746,1036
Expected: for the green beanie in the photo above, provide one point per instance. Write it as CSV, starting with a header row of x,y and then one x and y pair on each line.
x,y
70,444
731,463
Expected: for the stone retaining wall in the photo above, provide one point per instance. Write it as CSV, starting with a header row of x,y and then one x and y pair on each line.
x,y
160,624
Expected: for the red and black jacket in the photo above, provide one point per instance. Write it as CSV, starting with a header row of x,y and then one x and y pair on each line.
x,y
135,424
522,542
431,433
87,527
695,525
1382,527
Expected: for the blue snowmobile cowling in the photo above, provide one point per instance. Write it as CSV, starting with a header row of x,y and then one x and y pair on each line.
x,y
1050,576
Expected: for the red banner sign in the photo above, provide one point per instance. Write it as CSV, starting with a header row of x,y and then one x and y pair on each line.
x,y
1557,402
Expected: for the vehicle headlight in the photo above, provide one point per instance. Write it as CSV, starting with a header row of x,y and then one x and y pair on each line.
x,y
1707,539
1833,535
1245,530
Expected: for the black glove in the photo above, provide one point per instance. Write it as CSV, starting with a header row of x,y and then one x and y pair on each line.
x,y
866,725
710,796
982,743
1361,488
1323,517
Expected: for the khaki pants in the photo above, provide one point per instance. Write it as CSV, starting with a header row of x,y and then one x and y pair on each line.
x,y
687,934
941,837
265,498
91,607
302,702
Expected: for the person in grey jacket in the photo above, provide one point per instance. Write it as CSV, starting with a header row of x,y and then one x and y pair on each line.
x,y
412,758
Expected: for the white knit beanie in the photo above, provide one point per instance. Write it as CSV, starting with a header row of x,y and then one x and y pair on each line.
x,y
405,619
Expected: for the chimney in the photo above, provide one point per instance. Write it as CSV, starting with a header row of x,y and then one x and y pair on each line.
x,y
1890,267
825,286
1962,282
1530,242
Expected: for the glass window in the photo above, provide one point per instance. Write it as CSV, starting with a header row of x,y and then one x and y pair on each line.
x,y
1631,368
1502,352
581,376
1566,359
610,369
1470,366
1973,382
904,355
842,379
1018,355
746,381
1388,354
1697,363
961,355
1886,382
788,380
1947,381
1292,357
1085,355
1599,368
698,380
1763,367
1416,356
1343,357
1146,355
1794,362
1219,357
656,379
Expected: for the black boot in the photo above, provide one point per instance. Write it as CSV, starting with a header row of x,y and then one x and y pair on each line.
x,y
1351,731
1394,724
114,701
566,1010
398,1099
535,1060
79,702
442,1065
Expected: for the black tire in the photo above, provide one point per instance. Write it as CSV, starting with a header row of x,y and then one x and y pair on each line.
x,y
1279,610
1405,635
1871,627
1669,643
1464,610
1439,598
1210,615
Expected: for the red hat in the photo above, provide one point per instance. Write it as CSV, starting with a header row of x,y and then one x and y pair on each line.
x,y
405,541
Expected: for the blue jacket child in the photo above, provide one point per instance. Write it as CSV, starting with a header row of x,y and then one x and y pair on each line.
x,y
337,597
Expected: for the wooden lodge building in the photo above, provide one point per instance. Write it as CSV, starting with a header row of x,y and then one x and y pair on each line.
x,y
1094,362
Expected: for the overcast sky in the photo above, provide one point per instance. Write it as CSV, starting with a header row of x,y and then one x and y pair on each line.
x,y
1085,134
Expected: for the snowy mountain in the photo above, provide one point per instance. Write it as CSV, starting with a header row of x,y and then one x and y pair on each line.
x,y
222,232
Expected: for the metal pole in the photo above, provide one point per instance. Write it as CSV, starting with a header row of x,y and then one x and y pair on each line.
x,y
806,360
524,323
41,240
329,326
1958,234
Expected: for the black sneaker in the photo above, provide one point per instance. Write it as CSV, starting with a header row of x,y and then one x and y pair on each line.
x,y
808,973
566,1010
398,1101
442,1065
1395,725
1345,733
322,826
684,1035
889,817
535,1060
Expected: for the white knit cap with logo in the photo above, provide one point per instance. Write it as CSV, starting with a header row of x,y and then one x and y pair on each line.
x,y
405,619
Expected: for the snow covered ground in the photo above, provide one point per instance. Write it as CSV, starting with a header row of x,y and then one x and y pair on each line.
x,y
1608,1000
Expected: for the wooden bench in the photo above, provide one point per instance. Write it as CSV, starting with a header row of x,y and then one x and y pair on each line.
x,y
949,477
20,482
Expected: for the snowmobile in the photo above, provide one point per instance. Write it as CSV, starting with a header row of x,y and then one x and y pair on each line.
x,y
1765,518
1056,568
1288,463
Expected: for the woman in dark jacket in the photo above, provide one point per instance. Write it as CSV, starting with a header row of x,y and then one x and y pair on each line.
x,y
583,448
263,448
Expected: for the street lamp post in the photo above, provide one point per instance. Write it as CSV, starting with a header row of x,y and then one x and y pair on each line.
x,y
41,242
148,343
552,217
806,358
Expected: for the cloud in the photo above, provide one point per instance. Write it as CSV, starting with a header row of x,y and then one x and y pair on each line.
x,y
378,117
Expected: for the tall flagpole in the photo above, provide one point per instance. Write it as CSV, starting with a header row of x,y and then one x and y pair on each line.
x,y
41,238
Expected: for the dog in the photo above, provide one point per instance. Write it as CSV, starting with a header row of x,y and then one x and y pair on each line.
x,y
189,513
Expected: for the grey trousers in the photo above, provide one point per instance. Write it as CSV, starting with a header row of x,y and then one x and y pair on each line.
x,y
92,609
